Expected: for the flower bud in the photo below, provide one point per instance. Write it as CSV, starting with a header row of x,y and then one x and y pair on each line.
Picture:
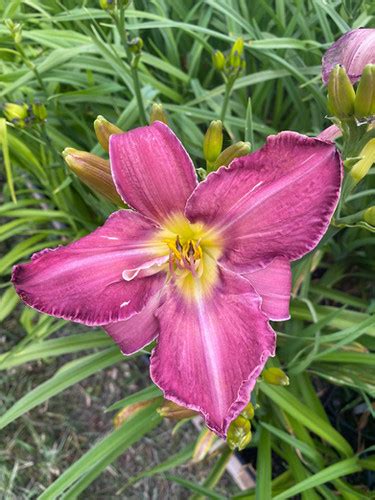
x,y
135,45
15,30
157,114
39,111
94,171
107,4
16,113
275,376
341,93
364,104
171,410
360,169
128,412
103,130
369,216
248,411
239,433
235,57
218,60
203,445
213,141
230,153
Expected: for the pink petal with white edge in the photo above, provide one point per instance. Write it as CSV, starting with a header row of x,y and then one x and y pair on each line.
x,y
275,202
83,281
273,284
152,171
211,350
353,50
134,333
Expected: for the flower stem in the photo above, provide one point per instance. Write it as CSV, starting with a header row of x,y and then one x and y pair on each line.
x,y
133,63
228,88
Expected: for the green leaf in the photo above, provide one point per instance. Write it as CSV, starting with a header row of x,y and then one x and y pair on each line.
x,y
69,374
291,405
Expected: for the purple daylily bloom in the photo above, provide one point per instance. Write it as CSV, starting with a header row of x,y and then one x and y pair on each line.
x,y
353,50
201,267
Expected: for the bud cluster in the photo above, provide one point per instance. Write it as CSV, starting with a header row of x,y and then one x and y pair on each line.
x,y
15,30
23,115
231,63
344,102
239,432
213,144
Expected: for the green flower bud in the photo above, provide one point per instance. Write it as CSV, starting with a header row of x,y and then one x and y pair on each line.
x,y
94,171
236,60
230,153
103,130
107,4
248,411
275,376
364,104
218,60
369,216
341,93
157,114
360,169
15,30
39,111
135,45
239,433
15,111
213,141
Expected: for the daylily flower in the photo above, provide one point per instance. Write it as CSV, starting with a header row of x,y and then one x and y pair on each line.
x,y
353,50
202,268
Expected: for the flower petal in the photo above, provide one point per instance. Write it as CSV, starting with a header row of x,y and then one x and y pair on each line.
x,y
330,133
83,281
273,284
138,331
277,201
152,171
353,50
211,349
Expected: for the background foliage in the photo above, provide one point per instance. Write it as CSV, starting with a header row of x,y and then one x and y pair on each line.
x,y
311,438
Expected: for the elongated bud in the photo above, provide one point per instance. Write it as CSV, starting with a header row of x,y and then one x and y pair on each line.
x,y
15,30
360,169
171,410
364,104
94,171
230,153
275,376
239,433
369,216
248,412
213,141
218,60
236,60
39,111
157,114
128,412
107,4
203,445
13,111
103,130
135,45
341,93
